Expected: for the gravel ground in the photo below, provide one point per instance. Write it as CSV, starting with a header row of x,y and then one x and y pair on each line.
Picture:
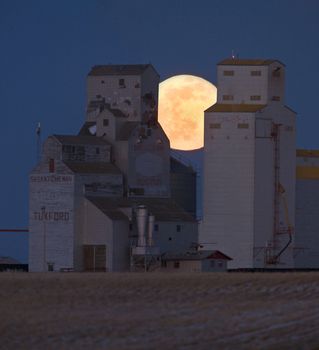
x,y
158,310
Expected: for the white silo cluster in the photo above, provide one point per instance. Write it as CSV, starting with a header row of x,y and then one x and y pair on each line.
x,y
145,227
144,255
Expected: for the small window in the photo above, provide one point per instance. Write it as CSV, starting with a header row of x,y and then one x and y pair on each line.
x,y
121,83
102,82
220,264
212,263
176,264
242,126
97,150
156,227
98,96
169,238
276,98
255,73
228,73
255,98
215,126
178,228
105,122
228,97
130,226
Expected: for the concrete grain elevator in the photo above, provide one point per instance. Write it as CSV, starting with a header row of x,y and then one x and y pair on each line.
x,y
249,166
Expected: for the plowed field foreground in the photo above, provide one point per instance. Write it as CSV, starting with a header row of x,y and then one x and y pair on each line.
x,y
159,311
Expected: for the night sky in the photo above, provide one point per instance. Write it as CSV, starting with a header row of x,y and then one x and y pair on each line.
x,y
48,47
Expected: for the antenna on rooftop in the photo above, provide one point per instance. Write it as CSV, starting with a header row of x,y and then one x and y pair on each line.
x,y
38,132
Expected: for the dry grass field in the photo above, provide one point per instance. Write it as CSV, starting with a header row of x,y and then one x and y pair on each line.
x,y
159,311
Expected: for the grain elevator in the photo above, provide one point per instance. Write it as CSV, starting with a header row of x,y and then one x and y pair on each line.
x,y
102,200
249,166
112,197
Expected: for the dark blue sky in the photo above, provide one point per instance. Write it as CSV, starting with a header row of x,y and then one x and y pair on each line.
x,y
48,47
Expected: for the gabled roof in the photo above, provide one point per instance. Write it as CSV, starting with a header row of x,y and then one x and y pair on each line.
x,y
101,105
115,111
126,130
85,130
247,62
95,104
236,108
291,110
108,208
118,69
216,254
80,140
197,255
177,166
92,168
7,260
164,209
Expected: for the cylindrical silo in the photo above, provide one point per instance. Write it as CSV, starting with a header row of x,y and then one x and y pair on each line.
x,y
141,218
151,220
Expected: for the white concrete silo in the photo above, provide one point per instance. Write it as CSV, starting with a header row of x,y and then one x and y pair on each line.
x,y
249,150
141,219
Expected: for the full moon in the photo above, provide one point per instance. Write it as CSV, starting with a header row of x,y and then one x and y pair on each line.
x,y
182,102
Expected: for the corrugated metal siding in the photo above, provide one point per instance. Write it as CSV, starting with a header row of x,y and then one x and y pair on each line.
x,y
307,224
307,210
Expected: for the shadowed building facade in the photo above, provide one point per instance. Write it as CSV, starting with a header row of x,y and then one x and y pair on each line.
x,y
307,209
87,188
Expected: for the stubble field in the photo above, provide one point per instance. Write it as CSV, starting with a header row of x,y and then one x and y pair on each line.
x,y
159,311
